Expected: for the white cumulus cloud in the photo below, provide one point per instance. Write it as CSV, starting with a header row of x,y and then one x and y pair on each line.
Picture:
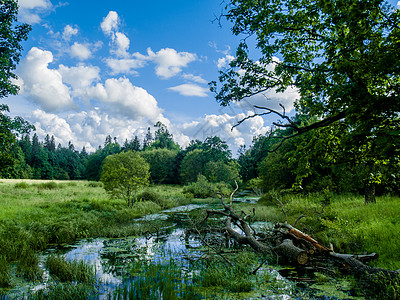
x,y
123,98
30,10
79,77
169,62
43,85
80,51
121,44
125,66
194,78
69,32
224,61
221,125
189,89
110,23
273,100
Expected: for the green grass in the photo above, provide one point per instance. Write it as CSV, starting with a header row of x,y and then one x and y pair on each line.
x,y
68,271
347,223
37,214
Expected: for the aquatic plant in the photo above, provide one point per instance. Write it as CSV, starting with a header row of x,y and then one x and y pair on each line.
x,y
68,271
158,281
64,291
4,272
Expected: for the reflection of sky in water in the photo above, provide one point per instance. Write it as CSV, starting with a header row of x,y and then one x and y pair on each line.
x,y
110,257
90,252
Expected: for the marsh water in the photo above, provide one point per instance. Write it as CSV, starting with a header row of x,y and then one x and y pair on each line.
x,y
111,259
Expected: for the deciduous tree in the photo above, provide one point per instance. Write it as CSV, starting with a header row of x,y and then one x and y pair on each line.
x,y
340,55
122,174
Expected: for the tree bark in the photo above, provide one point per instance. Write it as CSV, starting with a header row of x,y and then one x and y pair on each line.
x,y
290,251
370,193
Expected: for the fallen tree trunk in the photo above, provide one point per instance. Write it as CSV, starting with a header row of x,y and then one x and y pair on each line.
x,y
358,268
293,253
291,243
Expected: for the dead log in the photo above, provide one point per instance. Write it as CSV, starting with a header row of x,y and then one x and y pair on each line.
x,y
305,237
359,269
290,251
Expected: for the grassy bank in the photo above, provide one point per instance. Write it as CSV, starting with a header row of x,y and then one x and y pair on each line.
x,y
37,214
343,221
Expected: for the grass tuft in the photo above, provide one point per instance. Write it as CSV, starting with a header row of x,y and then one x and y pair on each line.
x,y
69,271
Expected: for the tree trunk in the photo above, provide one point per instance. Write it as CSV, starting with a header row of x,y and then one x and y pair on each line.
x,y
370,193
290,251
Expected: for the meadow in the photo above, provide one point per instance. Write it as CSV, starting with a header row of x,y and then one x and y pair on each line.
x,y
35,215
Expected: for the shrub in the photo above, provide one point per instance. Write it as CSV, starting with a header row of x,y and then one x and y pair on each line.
x,y
51,185
204,189
267,199
21,185
148,195
95,184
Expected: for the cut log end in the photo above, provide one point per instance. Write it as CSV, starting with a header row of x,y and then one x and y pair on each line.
x,y
293,253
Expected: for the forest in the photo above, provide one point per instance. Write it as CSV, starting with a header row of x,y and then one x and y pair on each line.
x,y
303,164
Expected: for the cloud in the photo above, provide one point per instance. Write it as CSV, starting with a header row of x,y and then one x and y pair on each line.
x,y
30,10
44,85
47,123
170,62
224,62
121,42
125,66
79,77
189,89
110,23
80,51
272,99
123,98
194,78
221,125
68,32
88,128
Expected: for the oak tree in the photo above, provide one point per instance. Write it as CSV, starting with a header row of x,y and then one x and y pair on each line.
x,y
340,55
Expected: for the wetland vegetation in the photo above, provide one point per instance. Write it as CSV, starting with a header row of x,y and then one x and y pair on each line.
x,y
38,216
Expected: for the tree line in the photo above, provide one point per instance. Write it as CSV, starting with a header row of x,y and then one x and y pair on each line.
x,y
169,163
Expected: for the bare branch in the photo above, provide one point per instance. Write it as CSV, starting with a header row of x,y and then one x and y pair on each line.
x,y
231,197
283,209
298,219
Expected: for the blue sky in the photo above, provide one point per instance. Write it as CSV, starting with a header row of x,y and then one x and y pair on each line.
x,y
95,68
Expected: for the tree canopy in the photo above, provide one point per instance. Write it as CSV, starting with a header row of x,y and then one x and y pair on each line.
x,y
340,55
342,58
123,173
11,36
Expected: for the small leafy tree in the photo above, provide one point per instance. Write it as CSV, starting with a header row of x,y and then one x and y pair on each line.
x,y
123,173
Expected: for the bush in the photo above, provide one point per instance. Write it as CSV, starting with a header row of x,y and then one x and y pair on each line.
x,y
21,185
51,185
148,195
267,199
95,184
204,189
